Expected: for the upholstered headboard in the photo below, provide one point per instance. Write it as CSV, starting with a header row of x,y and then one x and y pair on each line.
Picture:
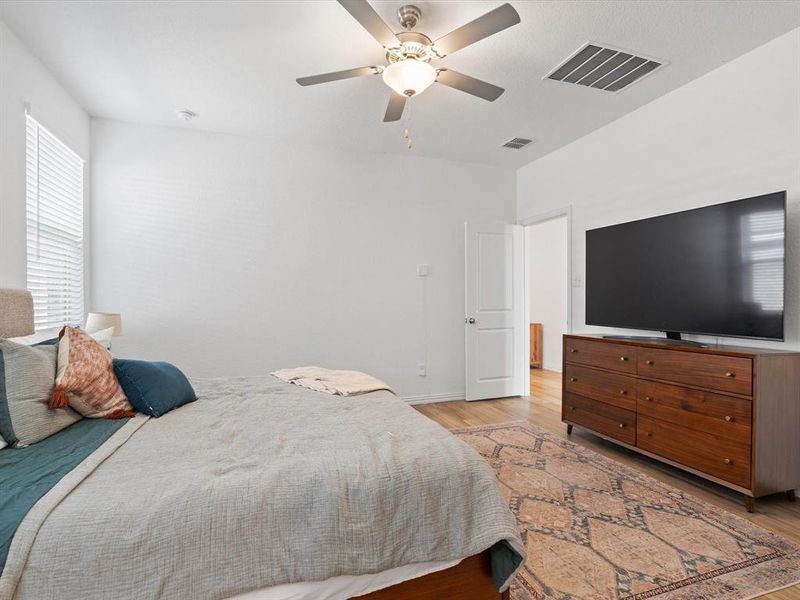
x,y
16,313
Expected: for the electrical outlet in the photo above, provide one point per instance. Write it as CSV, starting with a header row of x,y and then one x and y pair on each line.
x,y
422,371
422,270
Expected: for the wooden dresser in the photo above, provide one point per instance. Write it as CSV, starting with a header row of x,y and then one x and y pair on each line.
x,y
729,414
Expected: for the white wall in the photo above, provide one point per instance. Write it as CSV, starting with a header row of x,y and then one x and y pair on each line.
x,y
730,134
230,255
24,79
546,245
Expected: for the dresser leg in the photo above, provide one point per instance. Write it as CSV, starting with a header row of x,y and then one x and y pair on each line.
x,y
791,496
569,429
749,502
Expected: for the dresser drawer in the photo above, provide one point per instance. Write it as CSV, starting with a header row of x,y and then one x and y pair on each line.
x,y
707,453
712,371
724,416
603,418
613,388
616,357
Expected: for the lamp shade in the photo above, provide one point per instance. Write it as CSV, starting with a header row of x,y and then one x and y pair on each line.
x,y
409,77
97,321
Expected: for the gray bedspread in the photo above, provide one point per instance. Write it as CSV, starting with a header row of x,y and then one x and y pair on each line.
x,y
259,483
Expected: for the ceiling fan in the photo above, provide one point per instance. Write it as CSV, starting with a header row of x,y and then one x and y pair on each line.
x,y
409,53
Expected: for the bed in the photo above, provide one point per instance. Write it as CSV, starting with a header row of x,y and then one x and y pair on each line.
x,y
260,490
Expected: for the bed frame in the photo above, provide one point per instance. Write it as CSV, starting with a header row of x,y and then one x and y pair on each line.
x,y
471,579
16,313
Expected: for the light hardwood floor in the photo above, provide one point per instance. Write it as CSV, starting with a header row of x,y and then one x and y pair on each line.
x,y
543,408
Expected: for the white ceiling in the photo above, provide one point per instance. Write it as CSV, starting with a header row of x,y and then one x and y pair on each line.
x,y
235,64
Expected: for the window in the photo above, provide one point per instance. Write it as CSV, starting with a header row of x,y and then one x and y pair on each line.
x,y
54,195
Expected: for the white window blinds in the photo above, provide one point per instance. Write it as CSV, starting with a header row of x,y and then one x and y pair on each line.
x,y
55,228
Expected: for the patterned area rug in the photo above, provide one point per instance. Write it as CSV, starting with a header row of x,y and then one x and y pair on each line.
x,y
595,529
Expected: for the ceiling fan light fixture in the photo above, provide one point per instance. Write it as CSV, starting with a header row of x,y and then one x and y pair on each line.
x,y
408,53
409,77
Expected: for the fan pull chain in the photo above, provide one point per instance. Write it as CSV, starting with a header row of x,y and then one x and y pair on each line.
x,y
407,129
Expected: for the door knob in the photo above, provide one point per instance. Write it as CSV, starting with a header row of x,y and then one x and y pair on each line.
x,y
471,320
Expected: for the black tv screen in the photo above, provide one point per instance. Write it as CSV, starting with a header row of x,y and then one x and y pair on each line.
x,y
717,270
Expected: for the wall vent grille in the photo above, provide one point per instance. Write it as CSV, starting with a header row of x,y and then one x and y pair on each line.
x,y
604,68
517,143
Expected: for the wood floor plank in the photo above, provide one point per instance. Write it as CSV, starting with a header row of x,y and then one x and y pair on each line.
x,y
543,408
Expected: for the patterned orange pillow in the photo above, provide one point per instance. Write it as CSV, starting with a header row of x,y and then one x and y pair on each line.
x,y
85,378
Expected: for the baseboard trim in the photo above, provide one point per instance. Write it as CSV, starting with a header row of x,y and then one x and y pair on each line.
x,y
431,398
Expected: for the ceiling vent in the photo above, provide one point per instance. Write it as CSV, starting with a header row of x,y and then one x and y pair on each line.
x,y
604,68
517,143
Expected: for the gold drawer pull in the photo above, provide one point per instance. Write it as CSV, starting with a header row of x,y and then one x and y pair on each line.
x,y
573,349
573,379
729,374
728,461
622,392
728,418
623,358
572,408
622,425
648,434
648,362
648,398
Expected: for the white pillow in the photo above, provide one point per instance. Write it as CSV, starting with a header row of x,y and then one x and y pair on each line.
x,y
103,337
2,443
39,336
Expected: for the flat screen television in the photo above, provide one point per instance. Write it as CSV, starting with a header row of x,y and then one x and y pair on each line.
x,y
717,270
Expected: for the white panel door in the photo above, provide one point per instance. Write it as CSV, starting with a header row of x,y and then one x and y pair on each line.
x,y
495,311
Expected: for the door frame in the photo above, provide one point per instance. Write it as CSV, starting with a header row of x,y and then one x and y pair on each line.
x,y
543,217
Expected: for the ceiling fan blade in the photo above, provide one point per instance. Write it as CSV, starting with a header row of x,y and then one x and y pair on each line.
x,y
336,75
395,109
492,22
362,12
470,85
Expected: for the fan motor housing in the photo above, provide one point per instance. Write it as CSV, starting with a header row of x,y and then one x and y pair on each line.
x,y
413,45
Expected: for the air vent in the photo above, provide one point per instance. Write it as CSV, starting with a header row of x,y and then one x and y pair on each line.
x,y
517,143
604,68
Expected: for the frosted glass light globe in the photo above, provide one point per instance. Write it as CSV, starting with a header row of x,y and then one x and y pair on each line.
x,y
409,77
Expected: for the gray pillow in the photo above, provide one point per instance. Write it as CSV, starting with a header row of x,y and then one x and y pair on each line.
x,y
27,378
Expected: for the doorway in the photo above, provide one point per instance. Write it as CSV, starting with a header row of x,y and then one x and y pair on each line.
x,y
547,274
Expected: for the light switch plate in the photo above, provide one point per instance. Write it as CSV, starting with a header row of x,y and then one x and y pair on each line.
x,y
422,270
